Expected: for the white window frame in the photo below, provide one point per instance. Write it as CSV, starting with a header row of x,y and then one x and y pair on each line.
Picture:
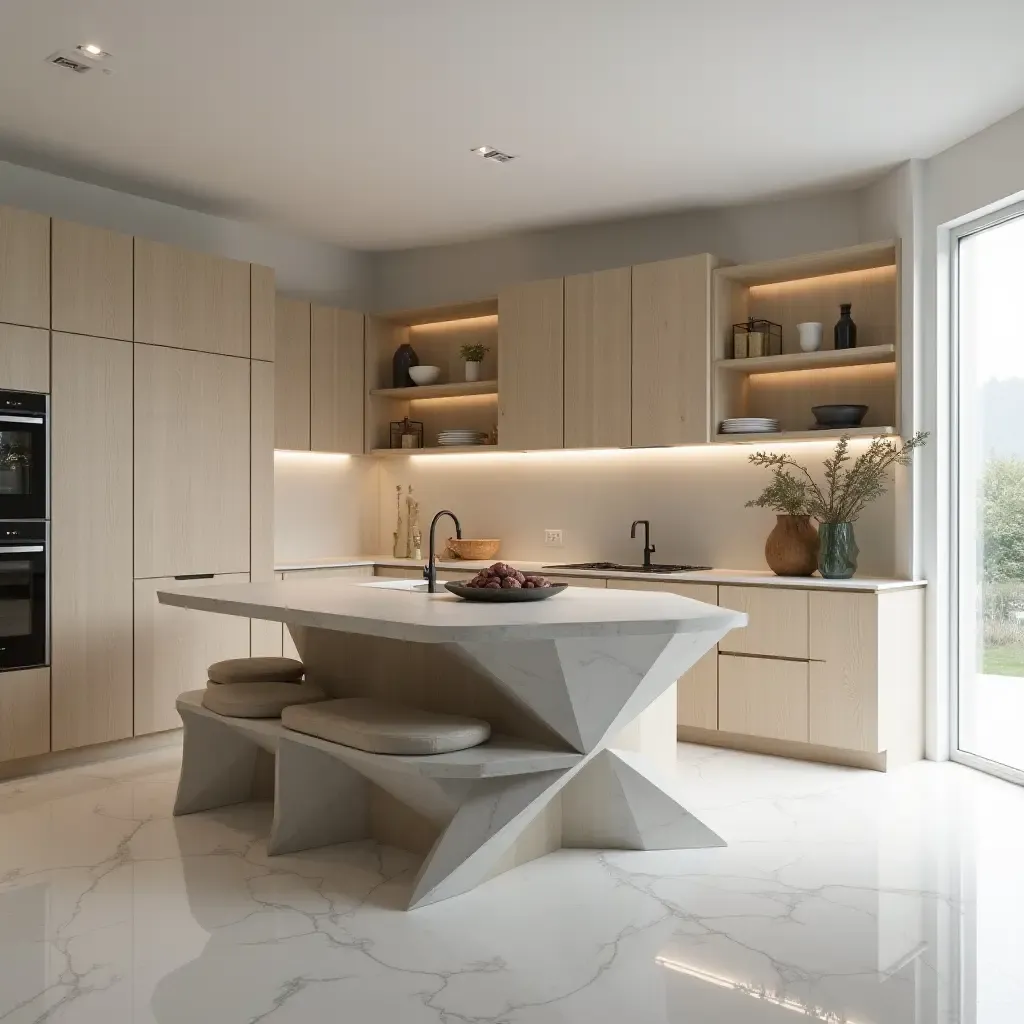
x,y
958,651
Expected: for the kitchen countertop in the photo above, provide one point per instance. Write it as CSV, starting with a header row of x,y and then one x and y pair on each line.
x,y
392,609
734,577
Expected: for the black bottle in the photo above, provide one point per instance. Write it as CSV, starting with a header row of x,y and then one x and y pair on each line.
x,y
846,329
405,356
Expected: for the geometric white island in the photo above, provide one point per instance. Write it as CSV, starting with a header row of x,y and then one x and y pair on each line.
x,y
579,691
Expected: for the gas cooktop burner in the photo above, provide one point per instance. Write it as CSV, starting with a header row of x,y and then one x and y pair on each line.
x,y
616,567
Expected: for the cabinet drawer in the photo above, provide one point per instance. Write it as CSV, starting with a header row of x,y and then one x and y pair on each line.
x,y
329,572
574,581
763,697
778,621
399,572
24,713
175,646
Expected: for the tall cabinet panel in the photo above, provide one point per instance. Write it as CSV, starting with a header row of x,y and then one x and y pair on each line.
x,y
598,355
291,375
263,299
24,268
671,351
92,281
530,365
336,381
191,300
91,543
192,451
265,636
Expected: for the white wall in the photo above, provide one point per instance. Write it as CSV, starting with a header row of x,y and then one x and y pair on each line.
x,y
315,270
694,498
435,275
324,505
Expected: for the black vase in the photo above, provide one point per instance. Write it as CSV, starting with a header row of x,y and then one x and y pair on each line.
x,y
846,329
405,356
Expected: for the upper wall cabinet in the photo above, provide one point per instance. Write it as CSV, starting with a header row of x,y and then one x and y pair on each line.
x,y
598,347
24,268
92,281
671,351
291,375
530,365
336,381
192,453
191,300
262,303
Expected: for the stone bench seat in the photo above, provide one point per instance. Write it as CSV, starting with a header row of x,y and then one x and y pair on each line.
x,y
258,700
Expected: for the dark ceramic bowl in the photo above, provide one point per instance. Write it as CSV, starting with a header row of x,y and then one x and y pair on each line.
x,y
508,596
839,415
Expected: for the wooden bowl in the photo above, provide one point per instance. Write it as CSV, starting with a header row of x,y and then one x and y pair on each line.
x,y
473,550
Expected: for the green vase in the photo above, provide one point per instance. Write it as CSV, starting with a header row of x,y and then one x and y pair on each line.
x,y
837,551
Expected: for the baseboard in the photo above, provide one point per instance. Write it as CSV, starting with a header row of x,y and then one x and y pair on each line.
x,y
784,748
43,763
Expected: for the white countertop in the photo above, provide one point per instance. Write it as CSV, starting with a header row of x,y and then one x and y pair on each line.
x,y
392,609
735,577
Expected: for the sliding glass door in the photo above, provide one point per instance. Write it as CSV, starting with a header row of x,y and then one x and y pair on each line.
x,y
988,474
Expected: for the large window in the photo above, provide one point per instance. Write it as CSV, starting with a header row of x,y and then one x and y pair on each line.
x,y
989,474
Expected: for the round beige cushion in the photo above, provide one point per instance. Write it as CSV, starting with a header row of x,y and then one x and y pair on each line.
x,y
256,670
386,728
258,700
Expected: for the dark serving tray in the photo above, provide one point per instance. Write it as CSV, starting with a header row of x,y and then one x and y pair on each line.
x,y
507,596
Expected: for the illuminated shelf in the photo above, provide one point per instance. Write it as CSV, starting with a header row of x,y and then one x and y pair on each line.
x,y
422,391
470,449
805,435
810,360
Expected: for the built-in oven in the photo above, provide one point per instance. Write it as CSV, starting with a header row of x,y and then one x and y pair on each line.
x,y
24,583
23,455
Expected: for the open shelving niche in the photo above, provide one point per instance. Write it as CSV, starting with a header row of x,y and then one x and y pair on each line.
x,y
453,403
786,386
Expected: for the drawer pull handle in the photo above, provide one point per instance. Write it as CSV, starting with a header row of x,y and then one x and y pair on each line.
x,y
195,576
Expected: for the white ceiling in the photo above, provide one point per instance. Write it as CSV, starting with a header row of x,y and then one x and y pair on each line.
x,y
353,121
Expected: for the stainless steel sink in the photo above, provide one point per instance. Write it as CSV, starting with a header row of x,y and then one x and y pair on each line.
x,y
654,567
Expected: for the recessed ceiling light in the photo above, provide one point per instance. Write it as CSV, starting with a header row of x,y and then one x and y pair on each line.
x,y
92,50
490,153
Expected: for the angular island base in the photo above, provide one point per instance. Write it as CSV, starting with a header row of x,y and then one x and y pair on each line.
x,y
583,730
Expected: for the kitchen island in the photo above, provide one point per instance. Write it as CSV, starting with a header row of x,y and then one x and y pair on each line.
x,y
579,691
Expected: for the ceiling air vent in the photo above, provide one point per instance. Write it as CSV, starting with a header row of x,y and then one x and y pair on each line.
x,y
490,153
65,60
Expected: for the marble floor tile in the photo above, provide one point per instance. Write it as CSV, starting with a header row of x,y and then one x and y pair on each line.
x,y
843,896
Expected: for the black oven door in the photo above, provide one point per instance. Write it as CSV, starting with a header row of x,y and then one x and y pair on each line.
x,y
22,455
23,614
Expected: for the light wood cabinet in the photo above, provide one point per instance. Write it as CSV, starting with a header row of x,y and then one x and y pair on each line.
x,y
91,540
24,713
697,690
763,697
175,646
262,304
261,484
671,351
291,375
24,358
24,268
92,281
844,670
192,452
574,581
191,300
598,357
530,365
336,380
396,572
777,626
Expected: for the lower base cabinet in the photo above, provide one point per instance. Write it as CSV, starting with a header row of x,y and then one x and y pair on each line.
x,y
175,646
763,697
24,713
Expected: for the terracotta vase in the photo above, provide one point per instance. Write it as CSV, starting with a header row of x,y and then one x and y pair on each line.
x,y
792,547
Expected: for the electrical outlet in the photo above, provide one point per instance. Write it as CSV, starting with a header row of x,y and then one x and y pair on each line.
x,y
553,538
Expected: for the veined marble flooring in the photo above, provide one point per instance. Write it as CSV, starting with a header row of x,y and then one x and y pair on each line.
x,y
844,896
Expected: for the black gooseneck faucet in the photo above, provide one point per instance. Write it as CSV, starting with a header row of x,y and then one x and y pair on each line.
x,y
430,570
649,548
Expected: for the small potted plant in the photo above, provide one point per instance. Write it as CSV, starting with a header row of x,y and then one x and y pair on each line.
x,y
847,491
474,356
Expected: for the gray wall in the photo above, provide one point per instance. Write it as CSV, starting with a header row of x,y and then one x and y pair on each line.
x,y
435,275
311,269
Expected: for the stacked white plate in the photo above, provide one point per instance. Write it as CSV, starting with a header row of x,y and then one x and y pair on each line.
x,y
749,425
459,438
